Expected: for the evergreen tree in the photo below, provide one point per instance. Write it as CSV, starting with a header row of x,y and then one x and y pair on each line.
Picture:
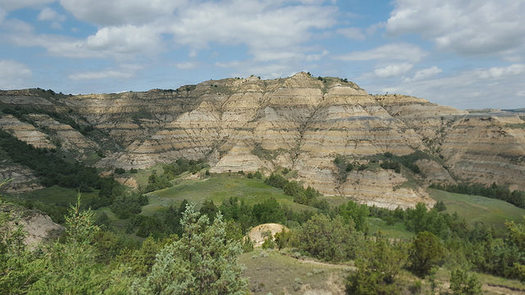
x,y
202,261
464,283
378,264
426,252
327,239
71,266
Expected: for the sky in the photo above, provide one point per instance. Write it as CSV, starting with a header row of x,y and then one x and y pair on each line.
x,y
461,53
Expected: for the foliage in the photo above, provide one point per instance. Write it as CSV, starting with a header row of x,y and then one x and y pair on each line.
x,y
19,268
50,168
124,206
156,182
494,191
209,209
420,219
344,166
62,117
440,206
120,171
170,171
71,267
328,239
283,239
425,253
300,195
355,213
268,211
378,265
202,261
391,165
464,283
182,165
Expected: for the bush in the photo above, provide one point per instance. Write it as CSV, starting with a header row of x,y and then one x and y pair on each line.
x,y
464,283
120,171
327,239
378,264
125,206
425,253
391,165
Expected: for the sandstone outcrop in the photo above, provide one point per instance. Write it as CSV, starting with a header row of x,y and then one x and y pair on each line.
x,y
302,123
37,227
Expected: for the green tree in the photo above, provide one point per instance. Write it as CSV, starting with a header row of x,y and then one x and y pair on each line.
x,y
425,253
209,209
202,261
464,283
378,264
71,266
357,213
327,239
19,268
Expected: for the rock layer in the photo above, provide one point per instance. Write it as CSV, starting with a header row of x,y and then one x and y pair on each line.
x,y
301,123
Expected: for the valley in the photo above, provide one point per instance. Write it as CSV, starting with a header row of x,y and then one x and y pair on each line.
x,y
356,179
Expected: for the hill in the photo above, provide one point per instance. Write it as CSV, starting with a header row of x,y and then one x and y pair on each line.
x,y
381,150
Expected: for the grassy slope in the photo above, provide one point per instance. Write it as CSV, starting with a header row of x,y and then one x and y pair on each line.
x,y
396,231
275,273
218,188
479,209
55,195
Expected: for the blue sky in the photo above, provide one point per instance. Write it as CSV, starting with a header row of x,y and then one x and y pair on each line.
x,y
467,54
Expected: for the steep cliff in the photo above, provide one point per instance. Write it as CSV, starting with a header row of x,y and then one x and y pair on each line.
x,y
302,123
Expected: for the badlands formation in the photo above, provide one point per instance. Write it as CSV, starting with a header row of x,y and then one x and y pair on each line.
x,y
301,123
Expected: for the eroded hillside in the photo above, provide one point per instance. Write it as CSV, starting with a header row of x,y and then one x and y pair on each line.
x,y
302,123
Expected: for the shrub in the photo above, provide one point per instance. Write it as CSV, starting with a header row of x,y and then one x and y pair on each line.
x,y
327,239
464,283
425,253
120,171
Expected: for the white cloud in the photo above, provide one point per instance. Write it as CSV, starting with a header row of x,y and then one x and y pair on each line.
x,y
14,74
466,27
121,12
393,70
425,73
266,71
352,33
270,30
186,65
501,72
397,51
265,27
3,13
124,72
496,87
122,42
48,14
17,4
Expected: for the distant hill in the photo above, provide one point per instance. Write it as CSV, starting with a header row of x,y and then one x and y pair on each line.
x,y
379,149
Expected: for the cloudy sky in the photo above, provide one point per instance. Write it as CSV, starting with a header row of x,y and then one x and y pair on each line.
x,y
463,53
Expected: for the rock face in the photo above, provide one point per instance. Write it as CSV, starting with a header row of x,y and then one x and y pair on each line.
x,y
260,233
301,123
37,227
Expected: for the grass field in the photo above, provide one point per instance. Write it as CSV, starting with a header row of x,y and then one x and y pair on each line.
x,y
479,209
270,272
273,272
218,188
55,195
396,231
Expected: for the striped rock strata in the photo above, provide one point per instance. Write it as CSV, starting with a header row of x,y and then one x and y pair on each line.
x,y
301,123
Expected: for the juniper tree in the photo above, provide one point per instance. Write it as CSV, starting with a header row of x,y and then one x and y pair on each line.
x,y
202,261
